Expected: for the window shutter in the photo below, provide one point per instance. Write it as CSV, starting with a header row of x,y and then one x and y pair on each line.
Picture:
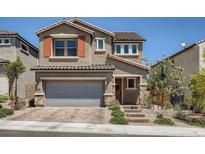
x,y
47,46
81,46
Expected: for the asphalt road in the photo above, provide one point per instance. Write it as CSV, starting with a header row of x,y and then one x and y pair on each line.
x,y
9,133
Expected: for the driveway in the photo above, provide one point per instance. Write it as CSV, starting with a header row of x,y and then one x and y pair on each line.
x,y
62,114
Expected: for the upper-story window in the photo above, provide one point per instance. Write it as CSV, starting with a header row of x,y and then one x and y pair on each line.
x,y
65,47
126,49
5,41
100,44
24,47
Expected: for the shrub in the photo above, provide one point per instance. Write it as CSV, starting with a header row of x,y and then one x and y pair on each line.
x,y
196,122
2,114
117,113
7,111
119,120
163,121
180,116
3,98
114,105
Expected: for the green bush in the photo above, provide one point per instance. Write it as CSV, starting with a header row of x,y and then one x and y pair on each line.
x,y
196,122
7,111
3,98
163,121
114,105
180,116
118,113
119,120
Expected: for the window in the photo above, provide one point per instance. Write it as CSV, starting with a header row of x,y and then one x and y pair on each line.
x,y
100,43
72,48
118,49
65,47
59,48
126,49
24,47
134,49
131,83
5,41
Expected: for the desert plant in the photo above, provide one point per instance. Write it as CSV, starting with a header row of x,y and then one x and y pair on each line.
x,y
7,111
161,120
119,120
117,113
3,98
114,105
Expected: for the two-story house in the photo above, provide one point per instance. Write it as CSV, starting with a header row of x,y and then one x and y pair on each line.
x,y
81,64
190,58
12,45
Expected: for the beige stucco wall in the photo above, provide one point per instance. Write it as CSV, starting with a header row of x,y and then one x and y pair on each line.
x,y
189,61
131,96
91,56
29,60
201,53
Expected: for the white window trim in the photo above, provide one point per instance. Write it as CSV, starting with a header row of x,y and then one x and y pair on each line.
x,y
23,49
122,52
97,49
134,88
5,43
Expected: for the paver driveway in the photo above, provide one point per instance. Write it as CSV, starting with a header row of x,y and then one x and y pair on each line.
x,y
62,114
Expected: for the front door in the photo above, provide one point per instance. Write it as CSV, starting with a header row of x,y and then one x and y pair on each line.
x,y
118,90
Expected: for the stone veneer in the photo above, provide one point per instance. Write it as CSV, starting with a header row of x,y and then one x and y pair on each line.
x,y
143,93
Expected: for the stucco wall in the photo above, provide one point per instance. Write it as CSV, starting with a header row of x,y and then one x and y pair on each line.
x,y
201,53
91,57
189,61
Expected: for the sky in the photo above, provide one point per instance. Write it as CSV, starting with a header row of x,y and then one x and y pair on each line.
x,y
163,35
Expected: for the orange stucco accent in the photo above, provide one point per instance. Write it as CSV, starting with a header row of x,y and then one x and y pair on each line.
x,y
81,46
47,46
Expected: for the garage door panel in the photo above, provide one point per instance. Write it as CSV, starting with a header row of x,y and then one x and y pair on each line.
x,y
74,93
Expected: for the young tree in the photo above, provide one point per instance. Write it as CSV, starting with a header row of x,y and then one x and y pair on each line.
x,y
13,70
165,78
197,87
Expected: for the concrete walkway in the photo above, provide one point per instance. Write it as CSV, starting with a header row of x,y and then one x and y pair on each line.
x,y
101,129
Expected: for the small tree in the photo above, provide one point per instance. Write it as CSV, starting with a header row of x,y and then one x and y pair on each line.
x,y
165,78
13,70
197,87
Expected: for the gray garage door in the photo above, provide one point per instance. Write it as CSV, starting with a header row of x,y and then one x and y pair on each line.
x,y
75,93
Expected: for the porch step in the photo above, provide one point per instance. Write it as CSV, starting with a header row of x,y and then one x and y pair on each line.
x,y
137,120
132,110
130,107
135,114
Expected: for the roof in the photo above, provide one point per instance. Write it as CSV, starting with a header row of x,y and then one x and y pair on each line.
x,y
67,23
182,51
3,32
3,60
127,36
75,67
15,34
73,20
128,62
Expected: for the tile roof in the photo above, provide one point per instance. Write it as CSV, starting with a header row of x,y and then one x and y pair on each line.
x,y
128,62
127,36
3,60
75,67
3,32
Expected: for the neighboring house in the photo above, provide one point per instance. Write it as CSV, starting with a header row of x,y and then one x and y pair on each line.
x,y
81,64
12,45
191,59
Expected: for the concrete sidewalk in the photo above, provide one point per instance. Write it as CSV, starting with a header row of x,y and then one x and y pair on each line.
x,y
101,129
